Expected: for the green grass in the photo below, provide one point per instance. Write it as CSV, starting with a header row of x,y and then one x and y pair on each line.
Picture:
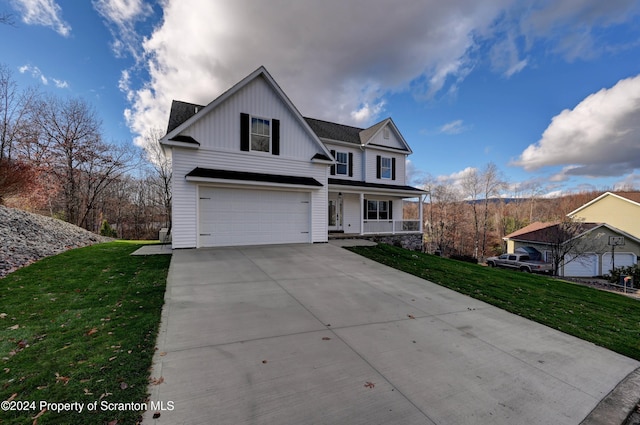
x,y
606,319
80,327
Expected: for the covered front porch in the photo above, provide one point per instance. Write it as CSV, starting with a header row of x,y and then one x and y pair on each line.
x,y
359,208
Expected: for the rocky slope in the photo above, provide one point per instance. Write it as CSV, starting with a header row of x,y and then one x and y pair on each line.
x,y
27,237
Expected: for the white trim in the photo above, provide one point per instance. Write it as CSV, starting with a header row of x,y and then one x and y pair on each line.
x,y
177,144
247,184
373,191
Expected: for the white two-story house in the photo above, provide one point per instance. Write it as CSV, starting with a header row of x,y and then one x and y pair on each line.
x,y
249,169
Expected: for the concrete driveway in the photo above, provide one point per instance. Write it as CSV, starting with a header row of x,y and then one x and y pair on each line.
x,y
314,334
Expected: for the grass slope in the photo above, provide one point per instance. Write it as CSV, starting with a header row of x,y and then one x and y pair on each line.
x,y
606,319
80,327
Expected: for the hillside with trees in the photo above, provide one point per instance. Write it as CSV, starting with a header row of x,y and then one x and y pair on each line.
x,y
459,225
55,161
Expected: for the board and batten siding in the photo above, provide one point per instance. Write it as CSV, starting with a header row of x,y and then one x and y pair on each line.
x,y
220,128
185,201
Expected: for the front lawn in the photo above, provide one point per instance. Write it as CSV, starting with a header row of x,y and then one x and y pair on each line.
x,y
606,319
80,327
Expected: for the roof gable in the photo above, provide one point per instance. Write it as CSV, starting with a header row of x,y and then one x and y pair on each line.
x,y
371,136
184,115
631,197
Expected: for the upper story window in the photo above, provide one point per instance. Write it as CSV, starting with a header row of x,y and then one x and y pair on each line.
x,y
260,134
385,168
342,163
385,132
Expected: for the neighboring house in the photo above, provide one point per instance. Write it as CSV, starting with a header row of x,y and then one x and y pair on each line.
x,y
249,169
606,234
619,209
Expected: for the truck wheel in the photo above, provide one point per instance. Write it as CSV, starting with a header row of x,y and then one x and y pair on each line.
x,y
525,270
491,264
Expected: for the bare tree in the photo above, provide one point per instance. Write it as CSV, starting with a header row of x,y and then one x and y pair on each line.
x,y
15,112
492,184
72,132
472,188
161,171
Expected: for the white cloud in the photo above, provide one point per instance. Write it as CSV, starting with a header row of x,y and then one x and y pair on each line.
x,y
599,137
121,17
336,60
38,75
453,127
43,12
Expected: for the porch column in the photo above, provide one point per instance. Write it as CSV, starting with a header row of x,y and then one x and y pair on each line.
x,y
361,213
420,213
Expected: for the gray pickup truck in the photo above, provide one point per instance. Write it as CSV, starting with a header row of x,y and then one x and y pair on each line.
x,y
520,262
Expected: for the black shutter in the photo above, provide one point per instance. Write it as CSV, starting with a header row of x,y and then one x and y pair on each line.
x,y
364,212
333,167
350,164
244,132
378,166
390,210
393,168
275,137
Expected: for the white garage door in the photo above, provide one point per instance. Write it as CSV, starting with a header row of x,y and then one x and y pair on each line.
x,y
623,259
229,217
584,266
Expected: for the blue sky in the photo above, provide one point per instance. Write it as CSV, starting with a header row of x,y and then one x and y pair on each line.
x,y
549,91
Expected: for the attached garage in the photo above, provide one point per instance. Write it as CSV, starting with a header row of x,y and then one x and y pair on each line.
x,y
237,216
585,265
622,259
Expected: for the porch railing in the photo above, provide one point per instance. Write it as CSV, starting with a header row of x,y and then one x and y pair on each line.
x,y
391,226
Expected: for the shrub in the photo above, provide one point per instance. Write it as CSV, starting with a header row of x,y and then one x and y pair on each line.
x,y
107,230
633,271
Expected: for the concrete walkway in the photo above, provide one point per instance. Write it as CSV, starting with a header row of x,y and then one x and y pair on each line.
x,y
314,334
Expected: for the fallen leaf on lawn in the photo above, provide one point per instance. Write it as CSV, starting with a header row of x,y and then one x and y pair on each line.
x,y
14,395
156,415
61,378
3,315
369,384
410,316
103,395
112,358
87,392
35,418
113,422
325,338
23,343
157,381
92,331
123,385
14,327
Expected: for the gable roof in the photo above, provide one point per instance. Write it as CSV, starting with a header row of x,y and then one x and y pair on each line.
x,y
533,227
632,197
180,112
183,109
334,131
548,232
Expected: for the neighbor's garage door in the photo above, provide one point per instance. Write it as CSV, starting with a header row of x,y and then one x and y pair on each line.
x,y
584,266
252,217
623,259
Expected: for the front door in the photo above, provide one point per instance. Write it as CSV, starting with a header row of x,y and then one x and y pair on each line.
x,y
335,214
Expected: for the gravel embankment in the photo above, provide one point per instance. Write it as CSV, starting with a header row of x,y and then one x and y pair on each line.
x,y
27,237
